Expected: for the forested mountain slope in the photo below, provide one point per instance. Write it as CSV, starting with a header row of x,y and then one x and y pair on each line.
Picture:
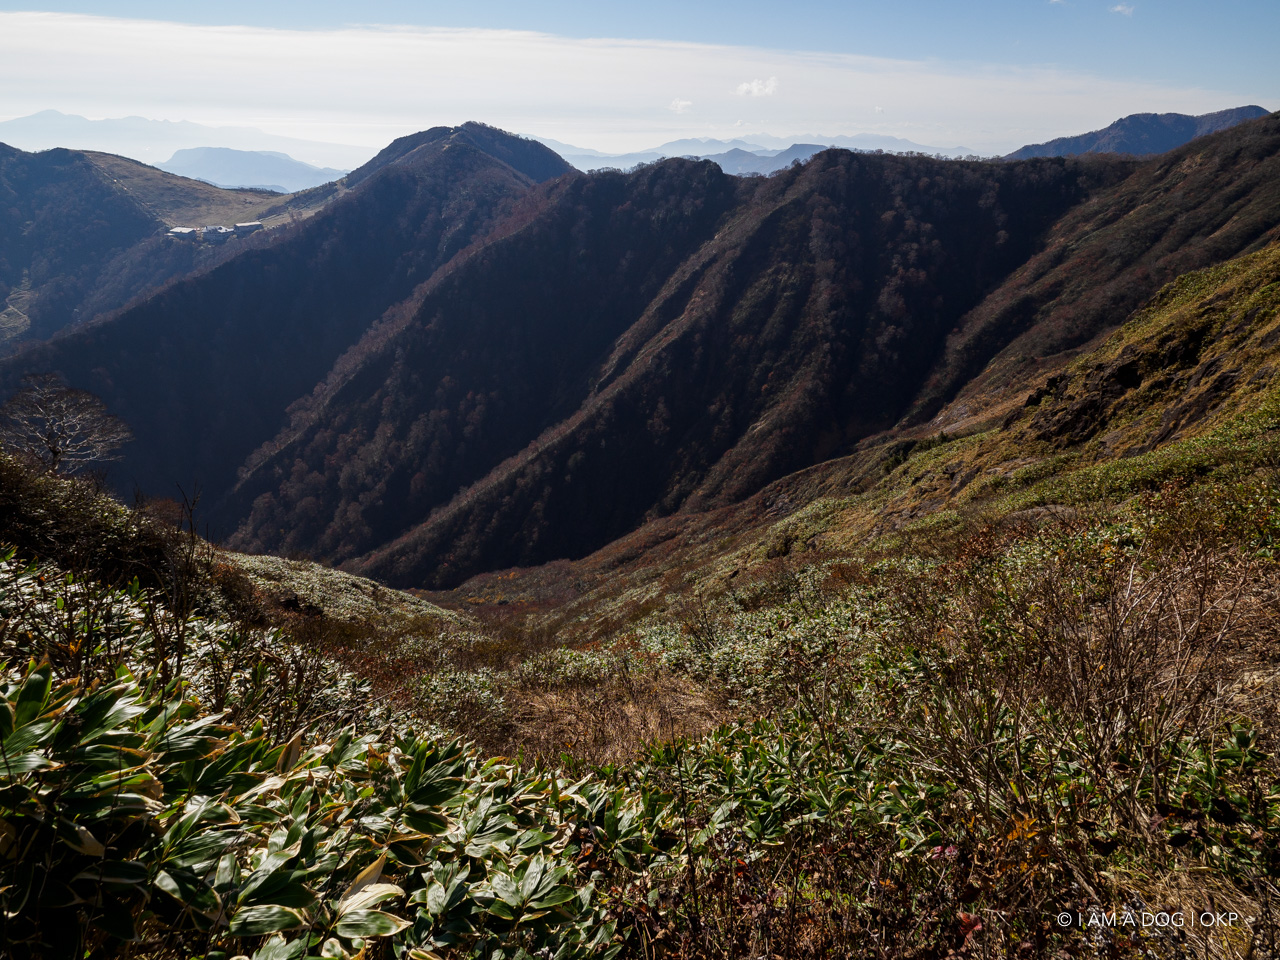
x,y
1213,199
61,224
454,369
1184,392
203,371
816,316
673,337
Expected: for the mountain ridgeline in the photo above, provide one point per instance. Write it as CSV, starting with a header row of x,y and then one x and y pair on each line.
x,y
1141,134
475,358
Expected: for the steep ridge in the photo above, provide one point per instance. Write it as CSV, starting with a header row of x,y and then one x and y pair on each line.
x,y
728,350
1213,199
1141,134
203,371
497,351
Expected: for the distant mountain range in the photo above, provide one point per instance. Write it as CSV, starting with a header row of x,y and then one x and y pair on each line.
x,y
152,140
255,169
1141,134
763,154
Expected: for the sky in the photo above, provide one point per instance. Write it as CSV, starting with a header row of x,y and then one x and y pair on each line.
x,y
990,75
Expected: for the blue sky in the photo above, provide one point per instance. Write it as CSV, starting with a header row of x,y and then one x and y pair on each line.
x,y
1227,44
990,74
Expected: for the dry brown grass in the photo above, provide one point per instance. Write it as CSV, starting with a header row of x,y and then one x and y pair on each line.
x,y
610,722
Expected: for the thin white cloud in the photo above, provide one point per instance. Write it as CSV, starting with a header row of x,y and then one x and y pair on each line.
x,y
758,88
367,85
680,106
1124,8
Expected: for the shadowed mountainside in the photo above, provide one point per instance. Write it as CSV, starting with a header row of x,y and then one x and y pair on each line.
x,y
452,369
1201,204
1186,389
203,371
668,339
831,302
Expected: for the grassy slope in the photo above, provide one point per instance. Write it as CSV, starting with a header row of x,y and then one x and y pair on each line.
x,y
183,202
1185,389
1201,204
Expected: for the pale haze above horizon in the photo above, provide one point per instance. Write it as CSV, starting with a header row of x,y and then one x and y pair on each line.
x,y
990,76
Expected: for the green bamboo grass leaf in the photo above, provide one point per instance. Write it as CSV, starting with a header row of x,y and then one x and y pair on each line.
x,y
192,741
256,921
27,735
189,890
106,711
78,838
277,948
99,755
289,754
369,923
506,888
369,896
556,896
447,889
425,821
14,765
366,877
268,869
116,873
502,910
33,696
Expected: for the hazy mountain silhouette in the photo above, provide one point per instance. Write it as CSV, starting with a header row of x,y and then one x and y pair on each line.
x,y
224,167
152,140
1141,134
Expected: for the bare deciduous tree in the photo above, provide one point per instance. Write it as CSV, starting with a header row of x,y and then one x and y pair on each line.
x,y
62,427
